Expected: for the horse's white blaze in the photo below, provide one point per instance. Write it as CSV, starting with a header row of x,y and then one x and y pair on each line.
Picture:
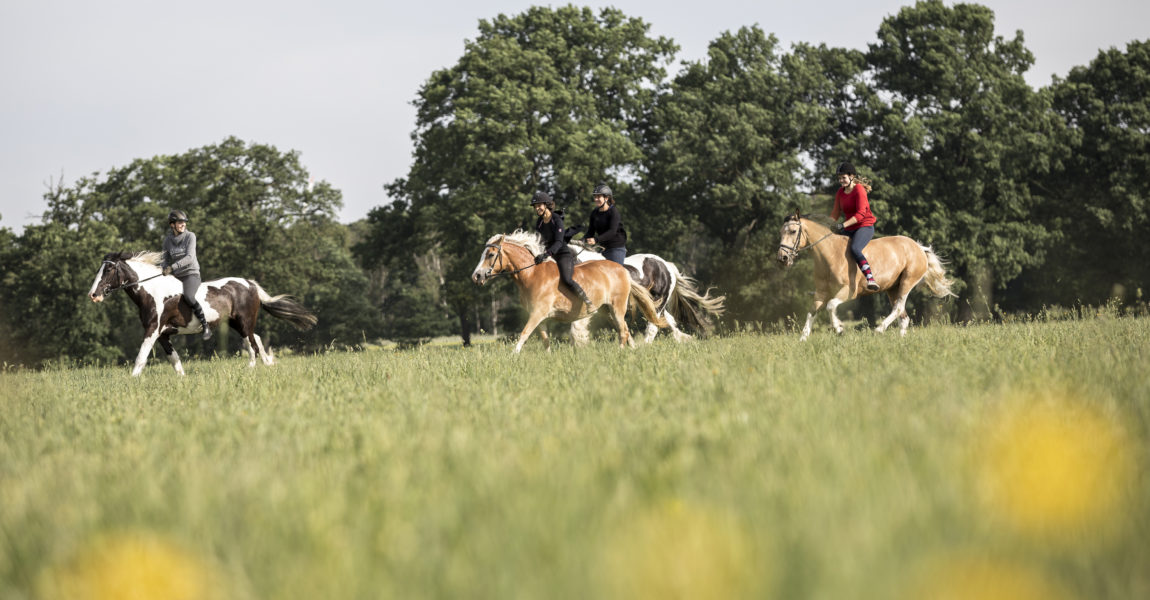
x,y
99,276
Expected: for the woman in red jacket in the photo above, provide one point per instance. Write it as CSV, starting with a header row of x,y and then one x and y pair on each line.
x,y
851,203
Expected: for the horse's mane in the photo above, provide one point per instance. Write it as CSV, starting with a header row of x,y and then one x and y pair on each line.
x,y
528,239
147,257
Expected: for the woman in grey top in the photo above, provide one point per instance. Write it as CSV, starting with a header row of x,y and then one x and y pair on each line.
x,y
180,261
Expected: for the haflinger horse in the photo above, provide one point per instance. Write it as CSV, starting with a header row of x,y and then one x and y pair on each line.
x,y
897,262
606,284
676,295
164,312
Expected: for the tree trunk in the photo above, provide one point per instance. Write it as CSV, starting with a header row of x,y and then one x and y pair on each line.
x,y
465,326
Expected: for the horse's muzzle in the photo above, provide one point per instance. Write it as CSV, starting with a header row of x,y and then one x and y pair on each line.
x,y
785,258
96,297
480,277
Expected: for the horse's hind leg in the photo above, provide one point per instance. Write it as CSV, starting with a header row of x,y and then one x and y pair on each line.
x,y
898,311
251,351
832,308
264,353
619,313
173,356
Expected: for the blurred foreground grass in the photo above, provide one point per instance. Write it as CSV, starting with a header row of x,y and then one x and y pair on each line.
x,y
970,462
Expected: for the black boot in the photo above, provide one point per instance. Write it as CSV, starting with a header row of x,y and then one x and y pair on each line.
x,y
199,312
583,296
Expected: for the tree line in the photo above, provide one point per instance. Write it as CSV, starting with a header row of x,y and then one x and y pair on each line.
x,y
1035,196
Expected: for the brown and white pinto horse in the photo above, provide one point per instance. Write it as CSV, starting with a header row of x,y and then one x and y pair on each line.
x,y
605,282
164,312
676,295
897,262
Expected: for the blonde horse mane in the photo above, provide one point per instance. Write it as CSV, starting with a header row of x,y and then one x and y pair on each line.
x,y
528,239
147,257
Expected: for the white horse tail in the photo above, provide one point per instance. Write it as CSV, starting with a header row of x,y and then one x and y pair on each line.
x,y
285,307
688,306
646,304
936,278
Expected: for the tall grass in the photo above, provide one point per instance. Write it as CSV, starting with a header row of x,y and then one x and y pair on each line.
x,y
984,460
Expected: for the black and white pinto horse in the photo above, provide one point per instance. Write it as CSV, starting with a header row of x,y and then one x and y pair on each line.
x,y
164,312
676,295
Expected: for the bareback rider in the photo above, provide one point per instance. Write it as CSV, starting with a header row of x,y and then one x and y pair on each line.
x,y
550,228
851,203
180,262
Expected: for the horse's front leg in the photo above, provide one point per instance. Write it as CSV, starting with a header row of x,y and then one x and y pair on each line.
x,y
811,319
173,356
533,321
580,331
145,351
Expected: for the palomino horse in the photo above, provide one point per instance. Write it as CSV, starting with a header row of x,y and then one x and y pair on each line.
x,y
164,312
605,282
676,295
898,264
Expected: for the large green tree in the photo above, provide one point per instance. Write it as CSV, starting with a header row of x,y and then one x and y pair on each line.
x,y
727,162
1102,212
959,146
552,99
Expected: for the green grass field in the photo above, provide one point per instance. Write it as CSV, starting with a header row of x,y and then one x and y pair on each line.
x,y
995,461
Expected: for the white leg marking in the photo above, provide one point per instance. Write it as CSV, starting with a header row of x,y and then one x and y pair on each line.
x,y
807,327
174,358
145,350
832,306
894,314
251,352
265,354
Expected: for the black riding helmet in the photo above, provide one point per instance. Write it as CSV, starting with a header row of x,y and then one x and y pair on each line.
x,y
602,190
177,215
541,198
846,169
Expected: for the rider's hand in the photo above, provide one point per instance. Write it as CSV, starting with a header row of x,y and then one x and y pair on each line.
x,y
837,228
540,258
167,270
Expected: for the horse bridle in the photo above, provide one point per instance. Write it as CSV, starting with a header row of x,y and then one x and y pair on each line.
x,y
109,290
499,257
793,251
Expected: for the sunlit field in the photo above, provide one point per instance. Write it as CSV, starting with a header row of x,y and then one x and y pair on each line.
x,y
991,461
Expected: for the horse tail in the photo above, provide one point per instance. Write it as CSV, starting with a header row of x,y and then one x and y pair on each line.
x,y
936,278
646,304
285,307
688,306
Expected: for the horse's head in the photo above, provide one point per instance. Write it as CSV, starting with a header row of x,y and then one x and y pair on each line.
x,y
491,261
790,239
114,274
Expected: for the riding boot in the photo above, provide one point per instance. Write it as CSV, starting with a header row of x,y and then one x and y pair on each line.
x,y
199,312
583,296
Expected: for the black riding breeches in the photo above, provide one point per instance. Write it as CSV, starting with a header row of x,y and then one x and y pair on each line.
x,y
566,262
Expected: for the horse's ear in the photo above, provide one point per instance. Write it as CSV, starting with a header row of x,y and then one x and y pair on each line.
x,y
798,214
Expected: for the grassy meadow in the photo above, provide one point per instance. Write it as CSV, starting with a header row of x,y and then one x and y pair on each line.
x,y
991,461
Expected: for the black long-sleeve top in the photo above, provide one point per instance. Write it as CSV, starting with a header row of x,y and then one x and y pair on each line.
x,y
606,227
552,233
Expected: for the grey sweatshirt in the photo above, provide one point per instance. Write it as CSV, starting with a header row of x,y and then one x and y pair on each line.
x,y
180,254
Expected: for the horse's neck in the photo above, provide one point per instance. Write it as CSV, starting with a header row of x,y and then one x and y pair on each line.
x,y
822,242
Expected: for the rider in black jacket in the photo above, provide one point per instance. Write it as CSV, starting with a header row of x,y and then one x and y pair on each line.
x,y
550,227
604,225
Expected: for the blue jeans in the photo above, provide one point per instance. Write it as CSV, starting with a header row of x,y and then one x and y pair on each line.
x,y
615,254
859,239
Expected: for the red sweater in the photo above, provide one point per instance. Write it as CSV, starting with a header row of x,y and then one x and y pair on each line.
x,y
854,204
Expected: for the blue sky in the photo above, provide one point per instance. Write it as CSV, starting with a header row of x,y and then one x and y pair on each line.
x,y
90,86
